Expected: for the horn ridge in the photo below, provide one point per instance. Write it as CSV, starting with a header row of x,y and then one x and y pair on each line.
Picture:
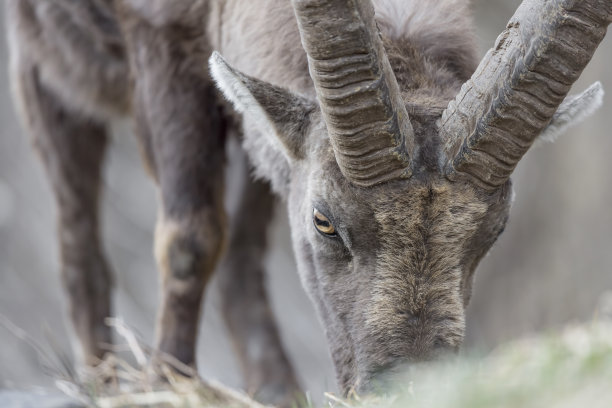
x,y
519,85
359,96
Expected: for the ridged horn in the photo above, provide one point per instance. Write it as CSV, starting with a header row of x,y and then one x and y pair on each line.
x,y
519,85
366,119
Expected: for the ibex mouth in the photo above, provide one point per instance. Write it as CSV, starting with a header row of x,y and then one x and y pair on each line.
x,y
399,373
387,377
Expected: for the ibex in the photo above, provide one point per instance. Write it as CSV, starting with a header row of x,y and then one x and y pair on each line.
x,y
392,149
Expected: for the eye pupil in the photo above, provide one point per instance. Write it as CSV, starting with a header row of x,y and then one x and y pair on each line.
x,y
321,223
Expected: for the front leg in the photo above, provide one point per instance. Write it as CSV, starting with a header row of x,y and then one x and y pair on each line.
x,y
182,137
246,309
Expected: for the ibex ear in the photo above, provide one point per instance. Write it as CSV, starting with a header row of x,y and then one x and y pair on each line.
x,y
275,120
573,110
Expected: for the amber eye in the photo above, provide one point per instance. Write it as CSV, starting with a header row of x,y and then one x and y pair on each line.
x,y
323,224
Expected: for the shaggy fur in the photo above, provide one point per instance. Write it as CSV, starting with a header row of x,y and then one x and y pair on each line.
x,y
77,49
440,29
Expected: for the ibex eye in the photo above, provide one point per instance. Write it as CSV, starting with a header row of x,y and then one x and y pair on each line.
x,y
323,224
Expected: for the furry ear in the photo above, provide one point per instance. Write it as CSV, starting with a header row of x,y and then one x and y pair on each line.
x,y
573,110
275,121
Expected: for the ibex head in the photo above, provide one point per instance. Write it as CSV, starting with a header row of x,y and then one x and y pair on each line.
x,y
393,205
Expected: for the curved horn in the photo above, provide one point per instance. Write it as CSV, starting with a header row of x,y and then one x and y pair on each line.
x,y
518,86
365,116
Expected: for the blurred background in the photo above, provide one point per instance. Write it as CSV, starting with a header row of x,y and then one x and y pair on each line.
x,y
550,267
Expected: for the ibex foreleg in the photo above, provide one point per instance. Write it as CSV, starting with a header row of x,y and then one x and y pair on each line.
x,y
183,137
246,309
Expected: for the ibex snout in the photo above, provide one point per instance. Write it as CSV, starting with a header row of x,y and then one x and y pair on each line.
x,y
398,372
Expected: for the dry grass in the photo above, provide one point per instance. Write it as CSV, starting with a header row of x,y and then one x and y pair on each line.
x,y
116,382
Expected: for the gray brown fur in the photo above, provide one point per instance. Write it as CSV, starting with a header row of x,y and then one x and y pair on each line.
x,y
391,287
76,65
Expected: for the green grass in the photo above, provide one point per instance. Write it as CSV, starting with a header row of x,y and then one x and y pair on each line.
x,y
568,369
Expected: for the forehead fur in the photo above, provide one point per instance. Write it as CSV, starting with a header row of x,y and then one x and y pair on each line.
x,y
406,202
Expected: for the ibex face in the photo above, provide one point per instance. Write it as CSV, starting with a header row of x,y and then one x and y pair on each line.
x,y
391,211
389,267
